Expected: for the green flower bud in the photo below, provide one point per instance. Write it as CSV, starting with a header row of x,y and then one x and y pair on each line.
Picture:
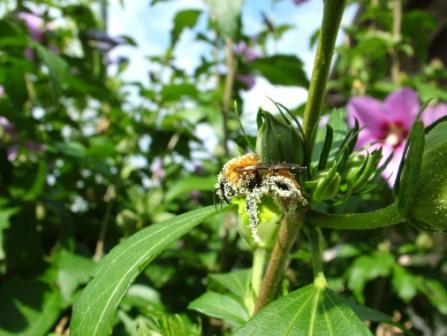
x,y
278,141
360,168
326,186
429,209
269,216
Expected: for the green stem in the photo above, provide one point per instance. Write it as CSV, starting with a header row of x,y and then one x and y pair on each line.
x,y
362,221
332,14
314,241
258,269
288,232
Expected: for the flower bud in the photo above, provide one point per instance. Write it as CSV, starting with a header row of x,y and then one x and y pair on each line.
x,y
278,141
429,209
326,186
360,168
269,215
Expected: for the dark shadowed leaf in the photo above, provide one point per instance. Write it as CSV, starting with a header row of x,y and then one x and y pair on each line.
x,y
28,307
282,70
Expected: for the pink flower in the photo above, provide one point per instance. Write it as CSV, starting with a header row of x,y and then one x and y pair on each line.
x,y
299,2
9,139
35,25
243,50
248,80
387,124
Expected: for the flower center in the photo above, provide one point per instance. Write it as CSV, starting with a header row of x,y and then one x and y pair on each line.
x,y
394,133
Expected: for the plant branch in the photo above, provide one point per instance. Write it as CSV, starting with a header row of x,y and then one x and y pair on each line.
x,y
361,221
314,242
288,232
397,22
333,11
228,91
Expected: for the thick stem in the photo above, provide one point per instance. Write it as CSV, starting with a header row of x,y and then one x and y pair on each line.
x,y
397,23
314,241
288,232
362,221
258,270
333,11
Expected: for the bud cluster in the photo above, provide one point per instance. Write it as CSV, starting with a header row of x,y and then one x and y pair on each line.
x,y
334,179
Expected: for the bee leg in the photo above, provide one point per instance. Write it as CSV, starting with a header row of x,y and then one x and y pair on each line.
x,y
252,204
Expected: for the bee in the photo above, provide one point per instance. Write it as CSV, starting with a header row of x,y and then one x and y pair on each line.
x,y
245,176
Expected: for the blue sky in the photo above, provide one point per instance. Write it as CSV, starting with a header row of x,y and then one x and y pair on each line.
x,y
150,27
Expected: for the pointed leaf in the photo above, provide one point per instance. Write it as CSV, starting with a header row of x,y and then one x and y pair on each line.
x,y
282,70
411,168
221,306
312,310
183,20
94,311
237,282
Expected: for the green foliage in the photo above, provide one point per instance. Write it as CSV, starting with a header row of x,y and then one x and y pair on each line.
x,y
311,310
282,70
94,311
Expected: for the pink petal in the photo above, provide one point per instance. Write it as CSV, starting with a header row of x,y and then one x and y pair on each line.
x,y
433,113
248,80
390,172
402,107
12,152
34,23
369,112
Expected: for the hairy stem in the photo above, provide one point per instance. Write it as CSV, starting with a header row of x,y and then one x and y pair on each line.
x,y
362,221
288,232
333,11
258,270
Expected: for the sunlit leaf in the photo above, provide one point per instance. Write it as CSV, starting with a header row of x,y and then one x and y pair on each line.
x,y
221,306
311,310
94,312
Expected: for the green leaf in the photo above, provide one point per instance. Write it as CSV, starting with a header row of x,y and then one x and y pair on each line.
x,y
5,214
188,184
39,182
436,293
226,15
94,311
404,283
183,20
411,168
28,307
282,70
369,314
311,310
173,92
237,282
367,268
57,67
72,271
221,306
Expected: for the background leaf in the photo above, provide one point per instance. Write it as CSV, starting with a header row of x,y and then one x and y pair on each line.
x,y
282,70
221,306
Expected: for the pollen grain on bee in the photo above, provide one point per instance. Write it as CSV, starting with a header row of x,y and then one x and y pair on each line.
x,y
245,176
